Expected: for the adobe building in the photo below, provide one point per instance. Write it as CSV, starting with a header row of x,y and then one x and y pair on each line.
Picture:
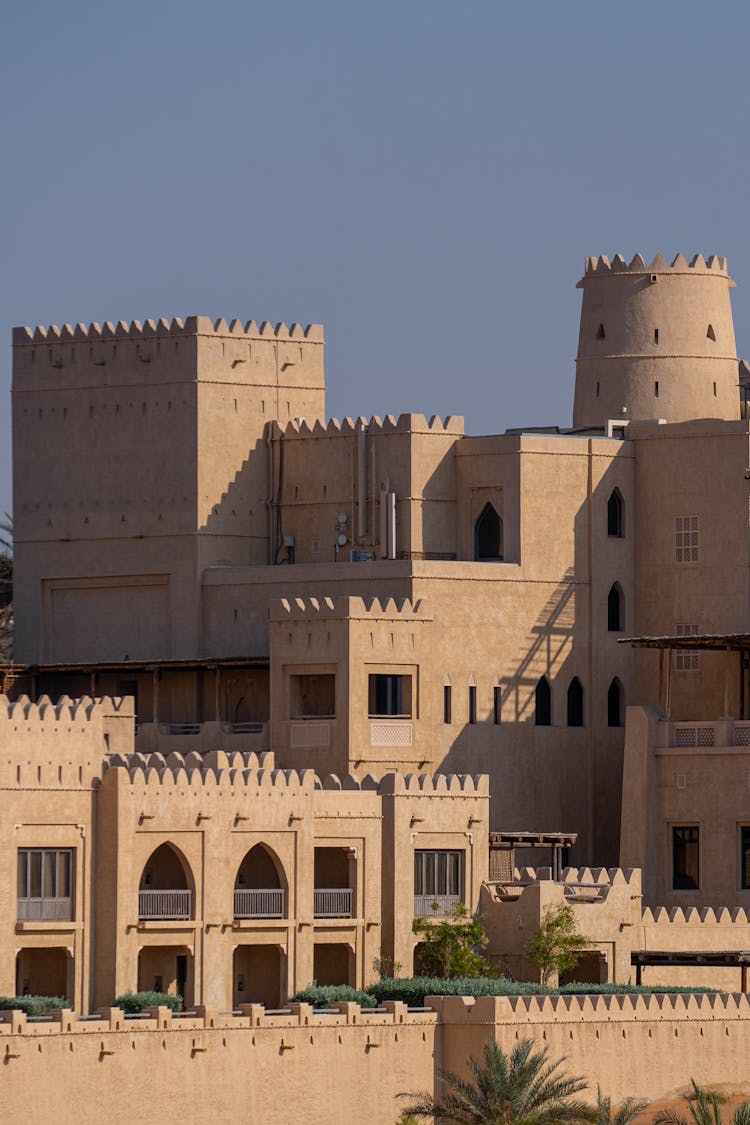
x,y
391,598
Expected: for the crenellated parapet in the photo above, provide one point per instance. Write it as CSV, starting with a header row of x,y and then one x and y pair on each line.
x,y
83,709
693,915
388,424
348,607
216,770
46,745
452,784
602,265
164,329
630,1007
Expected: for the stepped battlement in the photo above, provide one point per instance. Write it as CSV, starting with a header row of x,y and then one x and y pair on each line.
x,y
84,709
347,607
588,876
602,265
405,423
692,915
164,329
672,1006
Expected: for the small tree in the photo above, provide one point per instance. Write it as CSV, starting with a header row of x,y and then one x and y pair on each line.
x,y
451,945
704,1107
623,1114
558,943
520,1088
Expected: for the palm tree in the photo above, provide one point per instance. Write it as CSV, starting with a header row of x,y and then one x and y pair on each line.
x,y
624,1113
704,1106
522,1088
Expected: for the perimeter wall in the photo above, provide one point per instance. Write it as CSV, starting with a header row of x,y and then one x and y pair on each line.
x,y
348,1066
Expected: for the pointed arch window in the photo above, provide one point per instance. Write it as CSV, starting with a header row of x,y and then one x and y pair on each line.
x,y
600,333
710,334
543,703
575,703
615,609
488,536
616,515
615,702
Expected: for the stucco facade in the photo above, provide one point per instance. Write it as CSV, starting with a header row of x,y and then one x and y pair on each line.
x,y
299,656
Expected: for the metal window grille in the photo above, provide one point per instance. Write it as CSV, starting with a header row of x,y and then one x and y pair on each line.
x,y
686,539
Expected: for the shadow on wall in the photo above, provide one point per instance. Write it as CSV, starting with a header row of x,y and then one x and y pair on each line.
x,y
240,514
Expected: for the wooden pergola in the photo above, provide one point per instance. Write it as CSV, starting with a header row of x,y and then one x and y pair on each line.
x,y
736,649
739,958
555,841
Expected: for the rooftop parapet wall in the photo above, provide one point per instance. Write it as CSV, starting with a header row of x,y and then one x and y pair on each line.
x,y
176,351
601,265
423,784
694,916
83,709
62,745
349,607
389,424
595,876
214,775
164,329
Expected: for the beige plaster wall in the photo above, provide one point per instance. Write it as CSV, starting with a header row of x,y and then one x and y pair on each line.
x,y
341,1067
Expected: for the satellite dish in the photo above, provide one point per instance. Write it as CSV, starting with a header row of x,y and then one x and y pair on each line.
x,y
342,540
340,517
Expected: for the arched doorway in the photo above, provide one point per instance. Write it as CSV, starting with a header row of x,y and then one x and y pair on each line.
x,y
488,536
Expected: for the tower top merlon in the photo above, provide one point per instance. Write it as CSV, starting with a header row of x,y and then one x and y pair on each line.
x,y
601,266
161,329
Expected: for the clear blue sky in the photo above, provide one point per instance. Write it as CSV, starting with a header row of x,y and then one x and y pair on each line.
x,y
425,178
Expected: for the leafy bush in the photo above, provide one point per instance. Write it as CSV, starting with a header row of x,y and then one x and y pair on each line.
x,y
412,990
132,1002
451,945
33,1005
558,944
326,995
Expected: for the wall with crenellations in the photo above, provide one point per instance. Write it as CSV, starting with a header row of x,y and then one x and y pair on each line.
x,y
348,1065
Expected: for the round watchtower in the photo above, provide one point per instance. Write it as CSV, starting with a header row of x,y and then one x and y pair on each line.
x,y
656,341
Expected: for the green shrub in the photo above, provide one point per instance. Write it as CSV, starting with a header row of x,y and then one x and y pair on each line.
x,y
326,995
581,988
132,1002
33,1005
412,990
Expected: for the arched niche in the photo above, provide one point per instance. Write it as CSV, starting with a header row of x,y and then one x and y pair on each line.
x,y
488,536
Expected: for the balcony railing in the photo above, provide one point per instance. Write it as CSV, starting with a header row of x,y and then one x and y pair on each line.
x,y
164,906
45,910
434,906
259,903
333,903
